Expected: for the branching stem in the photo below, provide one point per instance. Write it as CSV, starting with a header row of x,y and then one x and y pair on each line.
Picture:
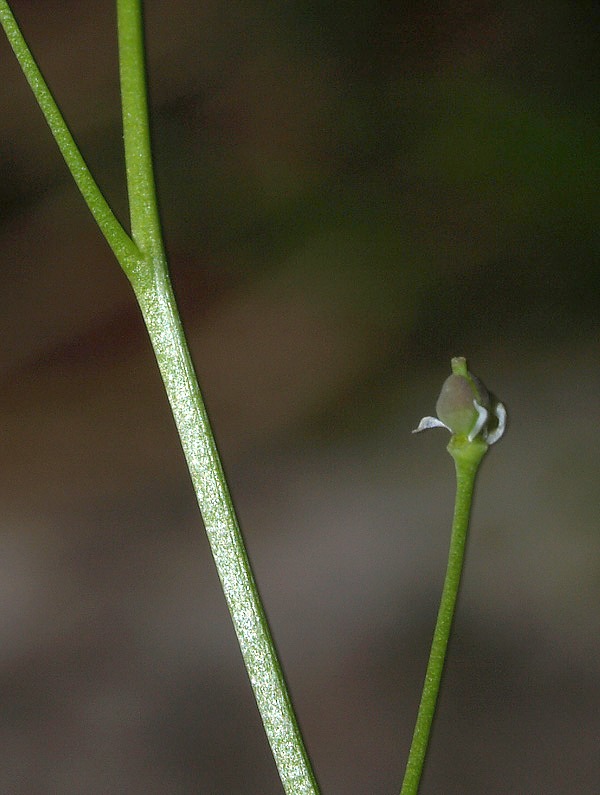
x,y
143,259
119,241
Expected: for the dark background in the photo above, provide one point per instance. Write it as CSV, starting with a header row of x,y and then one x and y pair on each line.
x,y
352,193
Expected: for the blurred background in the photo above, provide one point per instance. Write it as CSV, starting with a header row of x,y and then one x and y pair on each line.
x,y
352,194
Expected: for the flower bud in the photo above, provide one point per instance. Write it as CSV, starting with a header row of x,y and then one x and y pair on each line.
x,y
466,408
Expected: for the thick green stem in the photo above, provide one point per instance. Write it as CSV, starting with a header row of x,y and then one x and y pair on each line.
x,y
258,650
467,457
155,296
143,260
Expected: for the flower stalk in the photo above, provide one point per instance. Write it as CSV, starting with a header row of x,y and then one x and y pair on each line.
x,y
476,419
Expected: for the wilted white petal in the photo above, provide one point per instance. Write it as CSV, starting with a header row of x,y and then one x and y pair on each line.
x,y
430,422
498,432
482,417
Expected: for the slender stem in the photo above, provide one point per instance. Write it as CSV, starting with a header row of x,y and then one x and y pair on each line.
x,y
119,241
467,457
143,205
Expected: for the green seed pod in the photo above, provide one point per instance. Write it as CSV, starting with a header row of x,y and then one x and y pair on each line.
x,y
466,408
455,406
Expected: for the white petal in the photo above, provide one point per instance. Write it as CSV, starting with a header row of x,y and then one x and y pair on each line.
x,y
482,418
497,433
430,422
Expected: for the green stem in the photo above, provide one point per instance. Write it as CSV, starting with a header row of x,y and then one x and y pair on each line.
x,y
143,205
143,260
123,247
258,650
467,457
155,296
